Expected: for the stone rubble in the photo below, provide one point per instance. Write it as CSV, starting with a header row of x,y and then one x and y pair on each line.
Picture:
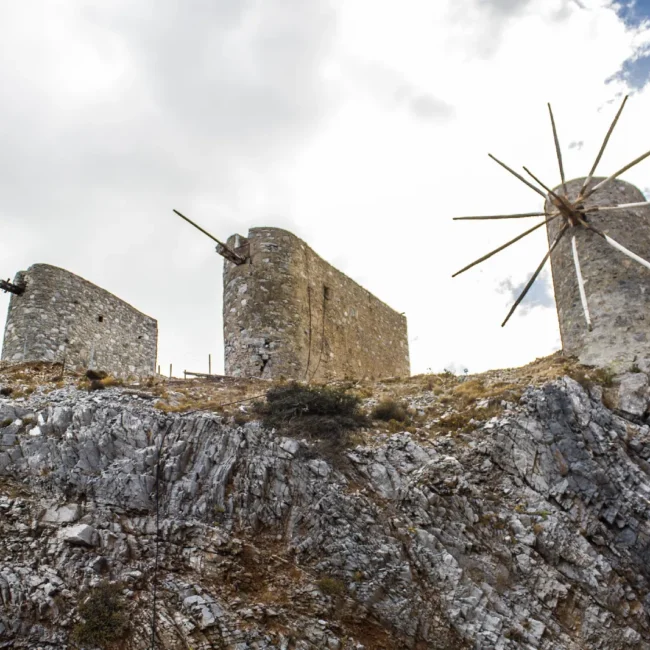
x,y
532,531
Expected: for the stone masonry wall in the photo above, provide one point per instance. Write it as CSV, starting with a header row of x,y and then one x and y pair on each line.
x,y
617,288
289,313
62,316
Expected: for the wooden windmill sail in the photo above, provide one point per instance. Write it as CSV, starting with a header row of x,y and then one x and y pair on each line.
x,y
572,213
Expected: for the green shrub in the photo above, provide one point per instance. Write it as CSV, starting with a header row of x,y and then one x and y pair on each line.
x,y
325,415
388,409
331,586
317,411
105,619
96,374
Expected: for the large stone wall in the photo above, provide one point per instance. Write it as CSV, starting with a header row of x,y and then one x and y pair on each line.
x,y
61,316
617,288
289,313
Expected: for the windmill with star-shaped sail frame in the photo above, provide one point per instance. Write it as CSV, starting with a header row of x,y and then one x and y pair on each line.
x,y
572,213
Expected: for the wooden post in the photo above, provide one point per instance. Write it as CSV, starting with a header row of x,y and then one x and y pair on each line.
x,y
209,364
158,369
170,370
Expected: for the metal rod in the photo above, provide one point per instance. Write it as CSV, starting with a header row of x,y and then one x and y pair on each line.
x,y
205,232
534,276
625,251
622,206
616,174
225,250
581,283
602,149
589,226
209,364
170,370
557,197
557,149
8,286
512,241
209,376
504,216
514,173
612,242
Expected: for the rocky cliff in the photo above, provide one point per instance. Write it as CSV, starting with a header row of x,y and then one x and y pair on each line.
x,y
525,527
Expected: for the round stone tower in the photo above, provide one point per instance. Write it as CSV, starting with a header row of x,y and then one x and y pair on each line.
x,y
617,288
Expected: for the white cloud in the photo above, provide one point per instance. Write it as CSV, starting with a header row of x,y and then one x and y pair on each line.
x,y
363,127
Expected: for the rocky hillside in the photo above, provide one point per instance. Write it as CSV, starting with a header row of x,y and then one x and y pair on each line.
x,y
509,510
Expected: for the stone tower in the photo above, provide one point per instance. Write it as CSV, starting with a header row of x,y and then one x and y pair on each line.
x,y
62,317
617,288
287,312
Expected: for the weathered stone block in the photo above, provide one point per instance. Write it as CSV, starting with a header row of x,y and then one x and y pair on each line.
x,y
617,288
289,313
80,535
93,327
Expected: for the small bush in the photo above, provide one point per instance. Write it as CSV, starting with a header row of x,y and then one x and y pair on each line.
x,y
331,586
96,374
111,381
5,391
96,384
587,377
240,419
318,411
105,619
324,414
388,409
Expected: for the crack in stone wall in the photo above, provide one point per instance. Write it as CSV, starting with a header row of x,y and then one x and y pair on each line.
x,y
287,312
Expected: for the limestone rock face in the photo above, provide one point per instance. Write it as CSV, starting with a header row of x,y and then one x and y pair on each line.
x,y
530,532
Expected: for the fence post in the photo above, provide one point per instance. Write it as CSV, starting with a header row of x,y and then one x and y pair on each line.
x,y
170,370
209,364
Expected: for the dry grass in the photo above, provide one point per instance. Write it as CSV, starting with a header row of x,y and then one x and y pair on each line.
x,y
105,619
389,409
331,586
433,404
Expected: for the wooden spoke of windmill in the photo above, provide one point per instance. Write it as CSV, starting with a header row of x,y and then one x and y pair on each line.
x,y
572,213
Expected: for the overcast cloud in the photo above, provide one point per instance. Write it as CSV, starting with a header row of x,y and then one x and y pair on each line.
x,y
539,295
361,126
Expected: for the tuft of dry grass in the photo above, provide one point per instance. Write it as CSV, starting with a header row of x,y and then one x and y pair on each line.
x,y
105,619
389,409
331,586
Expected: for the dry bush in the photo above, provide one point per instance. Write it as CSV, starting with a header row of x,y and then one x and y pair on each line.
x,y
112,381
331,586
318,411
105,619
326,415
96,374
388,409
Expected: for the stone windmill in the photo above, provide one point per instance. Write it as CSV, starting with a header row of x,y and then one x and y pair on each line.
x,y
602,289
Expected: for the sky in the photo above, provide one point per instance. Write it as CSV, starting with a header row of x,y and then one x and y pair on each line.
x,y
361,126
